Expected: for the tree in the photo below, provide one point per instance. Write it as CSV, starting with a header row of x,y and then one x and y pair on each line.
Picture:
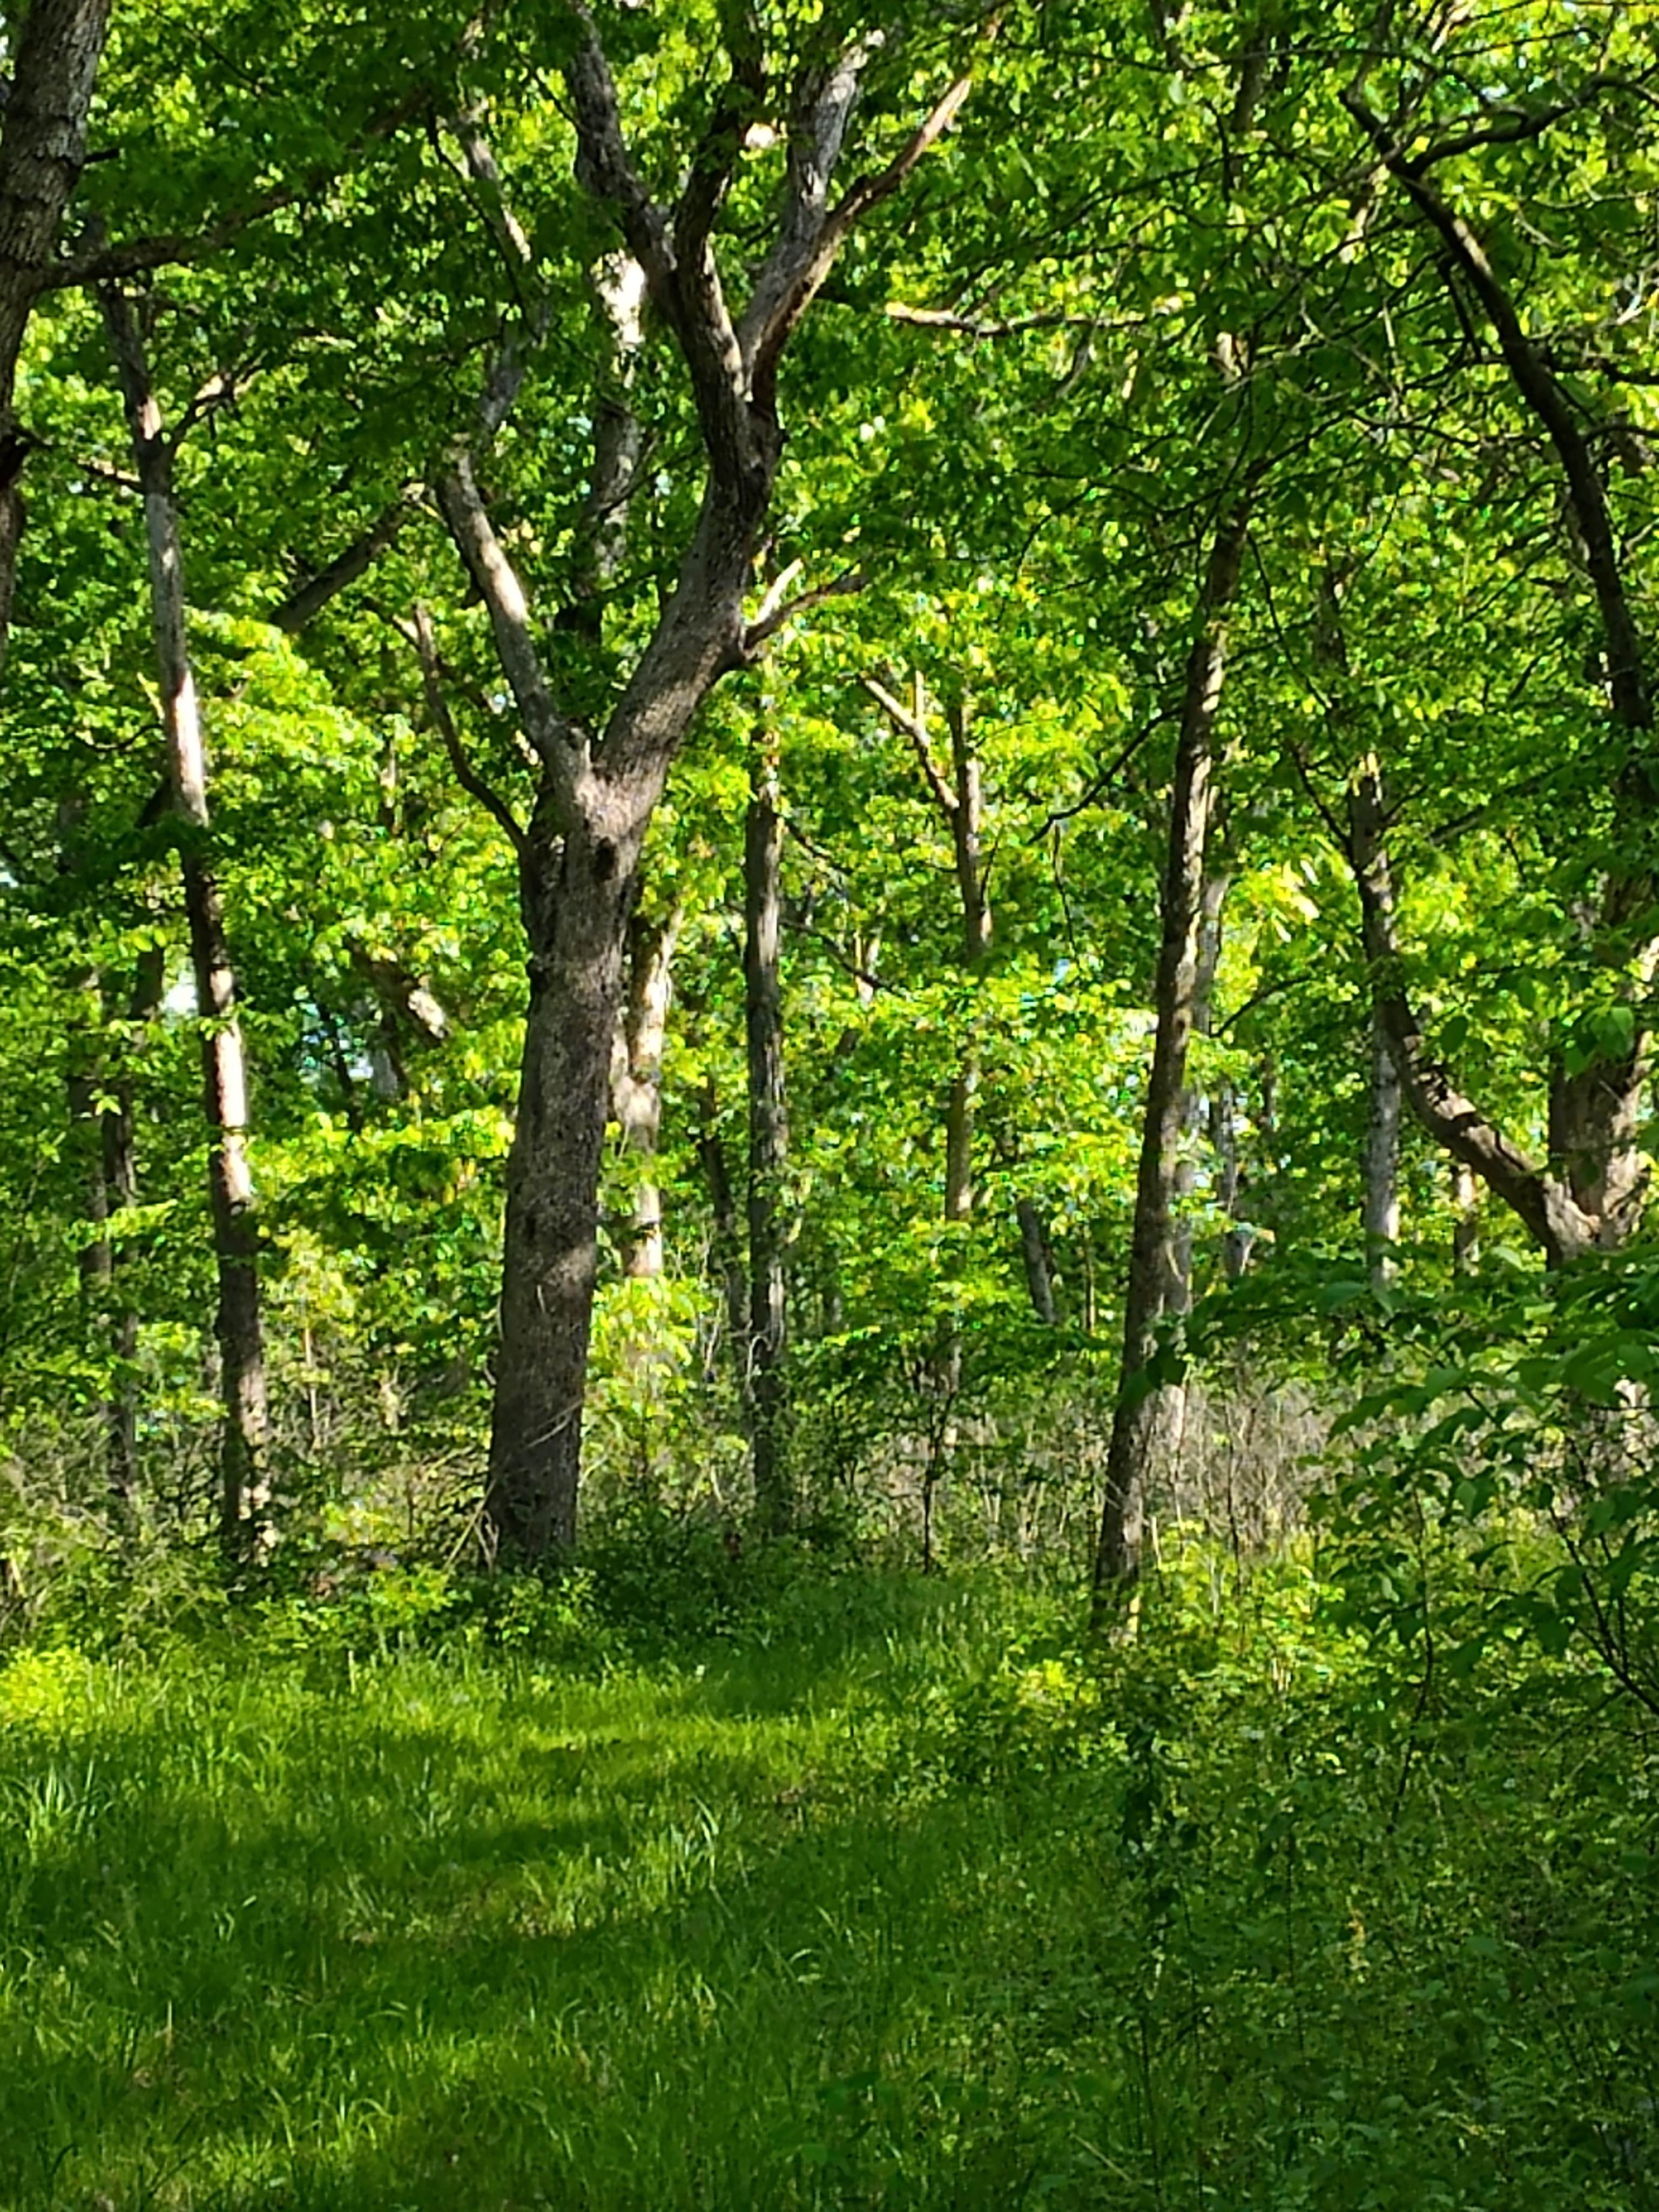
x,y
579,855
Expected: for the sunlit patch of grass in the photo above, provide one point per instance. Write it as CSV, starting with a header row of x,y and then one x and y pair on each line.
x,y
910,1906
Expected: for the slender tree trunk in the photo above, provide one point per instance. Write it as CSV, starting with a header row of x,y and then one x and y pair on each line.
x,y
1153,1261
725,1248
1178,1291
1038,1264
768,1138
1384,1100
1465,1219
244,1495
54,66
636,1082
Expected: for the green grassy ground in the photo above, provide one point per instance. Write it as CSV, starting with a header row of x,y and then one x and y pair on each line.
x,y
887,1899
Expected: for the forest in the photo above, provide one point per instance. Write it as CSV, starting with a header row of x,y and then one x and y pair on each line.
x,y
830,932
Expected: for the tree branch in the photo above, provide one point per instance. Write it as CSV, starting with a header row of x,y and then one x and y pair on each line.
x,y
292,614
776,611
1626,677
1544,1206
419,632
688,293
559,744
911,722
809,239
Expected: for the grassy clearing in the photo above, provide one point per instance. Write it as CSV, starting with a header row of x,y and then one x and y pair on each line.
x,y
887,1900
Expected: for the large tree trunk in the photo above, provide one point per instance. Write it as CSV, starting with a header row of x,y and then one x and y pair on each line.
x,y
768,1140
244,1495
1153,1262
42,146
578,924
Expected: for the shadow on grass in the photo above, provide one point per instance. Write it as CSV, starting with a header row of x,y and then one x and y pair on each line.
x,y
498,1943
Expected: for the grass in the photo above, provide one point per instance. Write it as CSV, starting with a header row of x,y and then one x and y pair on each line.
x,y
885,1899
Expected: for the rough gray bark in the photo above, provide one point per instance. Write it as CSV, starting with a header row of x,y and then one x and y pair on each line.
x,y
768,1140
42,147
1591,1191
579,855
1381,1163
1139,1415
244,1494
636,1081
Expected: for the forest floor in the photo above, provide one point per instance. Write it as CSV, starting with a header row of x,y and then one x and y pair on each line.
x,y
888,1895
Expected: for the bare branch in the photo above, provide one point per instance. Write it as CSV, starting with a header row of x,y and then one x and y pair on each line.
x,y
976,326
809,239
776,611
561,746
309,599
911,722
419,632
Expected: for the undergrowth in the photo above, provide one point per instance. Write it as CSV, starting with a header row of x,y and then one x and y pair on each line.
x,y
702,1881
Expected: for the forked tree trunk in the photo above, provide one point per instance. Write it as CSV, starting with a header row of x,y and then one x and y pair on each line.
x,y
1140,1411
579,857
43,131
244,1495
768,1140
